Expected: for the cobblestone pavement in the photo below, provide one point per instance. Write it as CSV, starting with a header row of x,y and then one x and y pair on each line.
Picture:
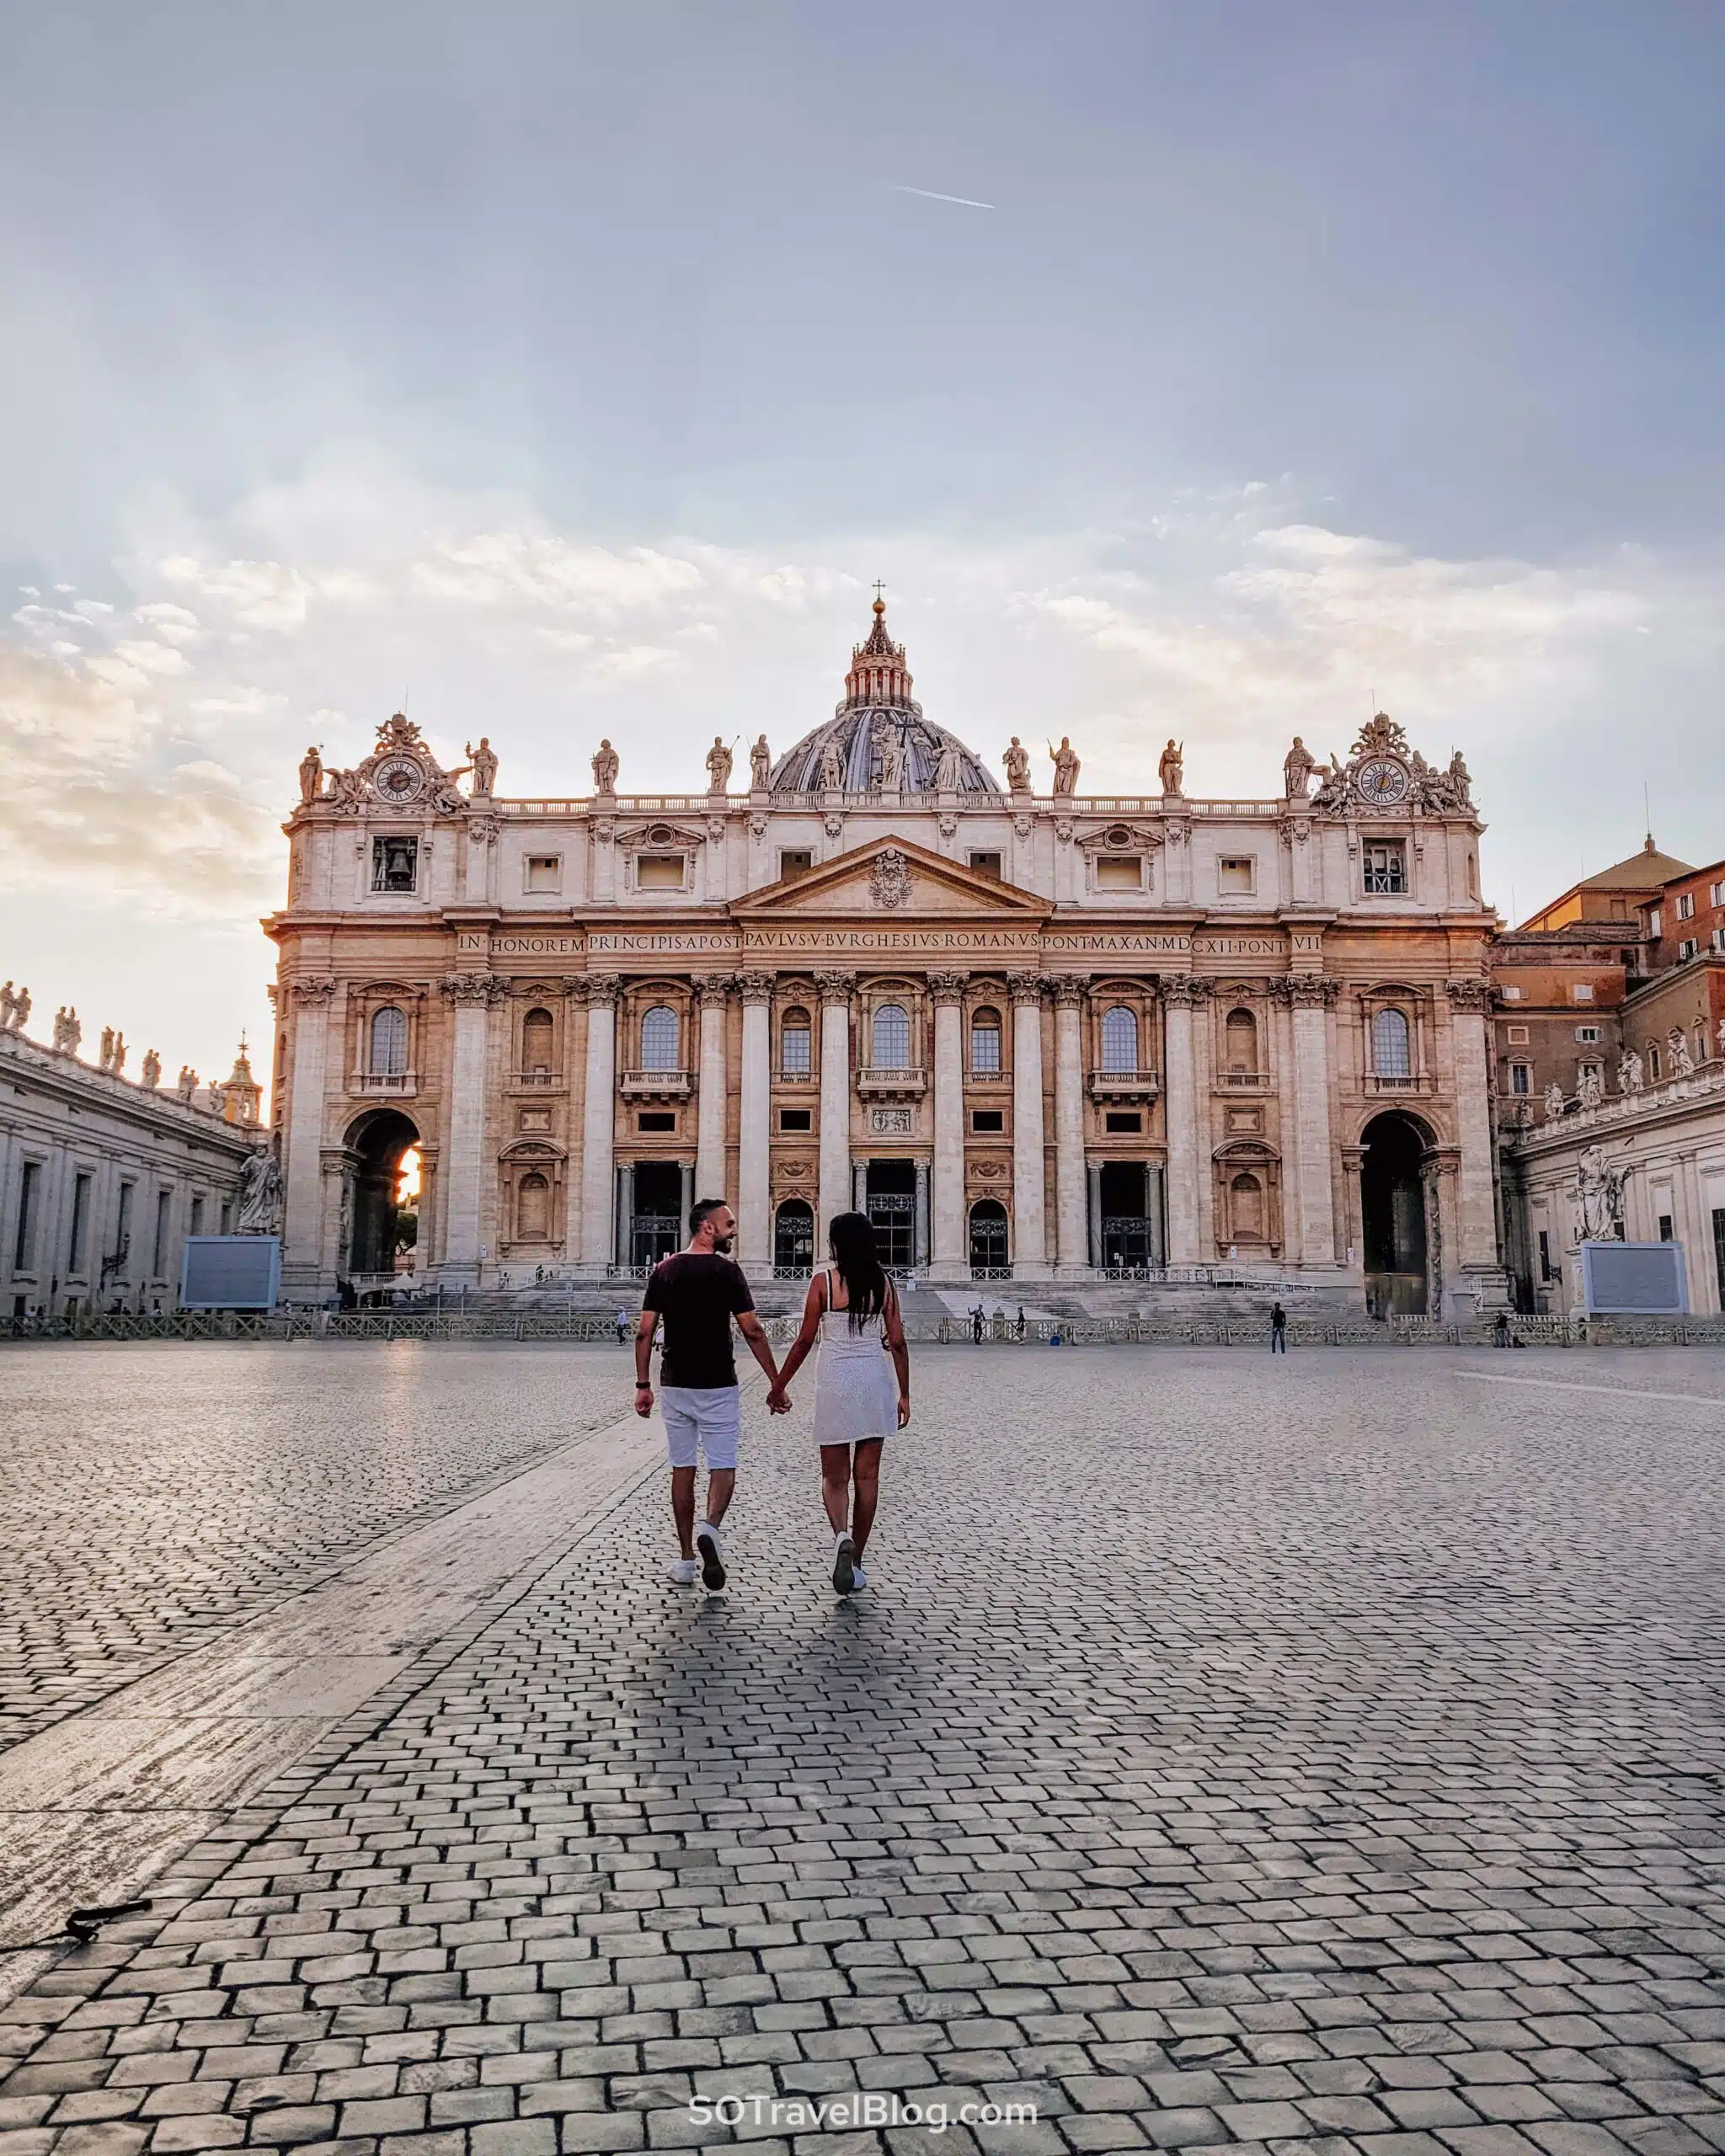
x,y
1321,1753
153,1494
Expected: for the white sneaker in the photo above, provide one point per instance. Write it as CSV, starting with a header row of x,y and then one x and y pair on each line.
x,y
683,1573
844,1564
711,1551
859,1578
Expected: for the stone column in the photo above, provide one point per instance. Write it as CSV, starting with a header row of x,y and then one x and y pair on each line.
x,y
1474,1260
1313,1208
470,997
1071,1239
755,1123
302,1228
834,1100
950,1250
598,1124
711,1001
1181,996
1029,1229
919,1240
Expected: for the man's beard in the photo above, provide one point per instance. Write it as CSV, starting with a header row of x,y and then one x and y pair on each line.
x,y
721,1245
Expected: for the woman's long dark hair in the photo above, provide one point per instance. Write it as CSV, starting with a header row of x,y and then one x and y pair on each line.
x,y
851,1240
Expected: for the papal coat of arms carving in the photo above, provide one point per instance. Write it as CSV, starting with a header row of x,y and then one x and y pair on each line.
x,y
889,878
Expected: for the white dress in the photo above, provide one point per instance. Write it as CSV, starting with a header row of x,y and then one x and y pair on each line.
x,y
856,1387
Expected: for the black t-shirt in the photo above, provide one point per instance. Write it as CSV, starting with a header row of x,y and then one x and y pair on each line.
x,y
696,1292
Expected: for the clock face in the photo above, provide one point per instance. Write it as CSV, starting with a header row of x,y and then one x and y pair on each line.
x,y
399,778
1382,782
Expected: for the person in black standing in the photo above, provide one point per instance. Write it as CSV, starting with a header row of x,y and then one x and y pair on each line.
x,y
1279,1329
697,1292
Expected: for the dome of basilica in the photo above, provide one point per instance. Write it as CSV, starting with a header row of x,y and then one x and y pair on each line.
x,y
877,738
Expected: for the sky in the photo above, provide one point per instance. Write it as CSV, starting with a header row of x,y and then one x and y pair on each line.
x,y
574,370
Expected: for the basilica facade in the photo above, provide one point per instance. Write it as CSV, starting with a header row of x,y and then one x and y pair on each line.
x,y
1035,1035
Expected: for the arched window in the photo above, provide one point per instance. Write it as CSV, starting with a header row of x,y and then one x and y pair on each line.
x,y
1242,1032
796,1045
537,1034
891,1040
988,1236
1389,1045
793,1237
985,1042
660,1036
533,1209
1119,1040
1247,1192
389,1042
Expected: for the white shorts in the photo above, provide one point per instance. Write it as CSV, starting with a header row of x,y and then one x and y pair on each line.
x,y
703,1416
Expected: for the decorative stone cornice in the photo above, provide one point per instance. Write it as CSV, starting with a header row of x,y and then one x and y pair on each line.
x,y
947,988
312,988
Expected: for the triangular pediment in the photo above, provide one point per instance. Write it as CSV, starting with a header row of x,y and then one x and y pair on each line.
x,y
891,879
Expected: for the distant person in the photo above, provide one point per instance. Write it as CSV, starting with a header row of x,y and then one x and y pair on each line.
x,y
1018,1328
622,1322
697,1292
1279,1329
1500,1330
852,1309
976,1322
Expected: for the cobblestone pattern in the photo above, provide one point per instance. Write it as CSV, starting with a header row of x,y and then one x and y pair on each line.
x,y
1320,1754
153,1495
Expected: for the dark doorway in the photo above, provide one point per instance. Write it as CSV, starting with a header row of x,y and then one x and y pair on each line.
x,y
1392,1202
891,1201
988,1239
793,1238
657,1227
380,1142
1129,1236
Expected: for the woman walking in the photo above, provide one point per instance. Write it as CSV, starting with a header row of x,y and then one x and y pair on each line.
x,y
852,1309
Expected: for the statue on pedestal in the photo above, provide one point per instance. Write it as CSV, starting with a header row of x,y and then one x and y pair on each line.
x,y
1297,768
1682,1062
14,1009
483,763
760,766
1016,763
105,1061
259,1195
893,760
311,775
832,766
1172,768
719,767
187,1084
1590,1088
119,1062
1554,1102
1065,763
1597,1192
946,771
606,766
67,1032
151,1070
1629,1072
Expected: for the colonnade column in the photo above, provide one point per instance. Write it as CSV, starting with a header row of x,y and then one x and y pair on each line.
x,y
598,1123
950,1244
1071,1237
711,998
303,1226
1476,1222
1314,1204
470,996
754,1132
1029,1229
834,1100
1180,995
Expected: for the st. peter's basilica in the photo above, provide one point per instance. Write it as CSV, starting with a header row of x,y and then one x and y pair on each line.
x,y
1035,1035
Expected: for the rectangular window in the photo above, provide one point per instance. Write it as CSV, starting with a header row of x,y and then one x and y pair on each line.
x,y
29,1198
988,864
122,1229
1521,1078
796,1049
77,1256
158,1254
197,1226
1545,1255
1716,895
1581,991
1686,905
1717,939
1511,994
1656,921
1386,869
1516,1036
1689,947
544,872
395,864
988,1120
1589,1036
1122,1122
796,1119
795,861
1719,1253
1234,873
651,1121
1119,873
1665,1235
659,871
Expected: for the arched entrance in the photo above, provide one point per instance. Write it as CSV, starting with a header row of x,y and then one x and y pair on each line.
x,y
889,1198
793,1237
377,1142
988,1237
1393,1219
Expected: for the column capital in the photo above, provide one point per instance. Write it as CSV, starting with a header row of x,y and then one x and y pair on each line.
x,y
311,988
714,988
1071,990
1469,993
947,987
1026,988
574,987
756,988
1306,992
836,987
471,991
1183,991
604,987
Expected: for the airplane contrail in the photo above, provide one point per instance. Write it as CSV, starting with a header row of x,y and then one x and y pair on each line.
x,y
928,194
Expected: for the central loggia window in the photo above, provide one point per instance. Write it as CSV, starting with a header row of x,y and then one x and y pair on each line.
x,y
395,864
891,1038
1119,1041
660,1036
986,1043
389,1042
796,1045
1390,1045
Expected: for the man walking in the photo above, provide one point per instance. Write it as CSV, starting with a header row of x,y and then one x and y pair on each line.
x,y
698,1291
1279,1329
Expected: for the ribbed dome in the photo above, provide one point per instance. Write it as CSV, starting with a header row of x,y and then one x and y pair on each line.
x,y
879,713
